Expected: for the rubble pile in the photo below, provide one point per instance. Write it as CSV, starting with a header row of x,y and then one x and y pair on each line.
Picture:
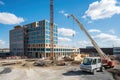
x,y
42,63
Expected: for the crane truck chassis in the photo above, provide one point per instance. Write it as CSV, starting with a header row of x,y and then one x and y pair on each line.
x,y
96,62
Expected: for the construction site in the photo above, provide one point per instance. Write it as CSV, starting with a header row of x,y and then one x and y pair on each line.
x,y
29,69
42,58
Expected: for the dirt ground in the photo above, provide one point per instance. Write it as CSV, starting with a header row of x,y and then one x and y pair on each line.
x,y
115,72
25,70
68,72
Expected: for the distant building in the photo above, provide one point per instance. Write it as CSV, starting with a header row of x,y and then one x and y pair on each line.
x,y
92,51
33,40
5,52
116,50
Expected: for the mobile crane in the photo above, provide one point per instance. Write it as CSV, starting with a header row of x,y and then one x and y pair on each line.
x,y
104,59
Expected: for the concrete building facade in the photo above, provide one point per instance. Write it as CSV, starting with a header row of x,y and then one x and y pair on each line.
x,y
33,40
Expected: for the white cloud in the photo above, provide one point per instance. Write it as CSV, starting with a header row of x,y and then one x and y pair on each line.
x,y
107,38
89,22
102,9
2,42
66,32
103,40
94,30
2,3
9,18
84,43
84,16
64,13
64,39
112,31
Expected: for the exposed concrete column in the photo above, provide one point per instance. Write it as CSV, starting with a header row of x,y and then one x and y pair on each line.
x,y
63,54
60,54
32,54
42,55
45,55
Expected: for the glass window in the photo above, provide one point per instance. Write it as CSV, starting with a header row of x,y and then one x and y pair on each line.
x,y
38,49
42,49
94,61
99,60
87,61
47,49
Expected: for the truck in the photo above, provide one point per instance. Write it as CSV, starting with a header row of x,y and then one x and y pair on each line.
x,y
92,64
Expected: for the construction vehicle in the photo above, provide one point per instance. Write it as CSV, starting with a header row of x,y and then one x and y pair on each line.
x,y
92,64
105,60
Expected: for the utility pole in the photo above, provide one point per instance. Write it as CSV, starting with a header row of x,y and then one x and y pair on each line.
x,y
51,29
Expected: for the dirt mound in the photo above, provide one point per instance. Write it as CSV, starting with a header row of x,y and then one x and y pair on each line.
x,y
30,60
43,63
115,73
11,63
27,65
75,62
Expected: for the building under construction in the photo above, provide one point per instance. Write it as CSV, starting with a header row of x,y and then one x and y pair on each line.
x,y
33,40
38,39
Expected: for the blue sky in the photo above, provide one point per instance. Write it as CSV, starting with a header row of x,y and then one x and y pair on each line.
x,y
101,18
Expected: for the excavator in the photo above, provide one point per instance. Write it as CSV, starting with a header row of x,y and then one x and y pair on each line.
x,y
105,59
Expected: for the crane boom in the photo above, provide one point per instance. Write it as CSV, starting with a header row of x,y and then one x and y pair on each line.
x,y
100,52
